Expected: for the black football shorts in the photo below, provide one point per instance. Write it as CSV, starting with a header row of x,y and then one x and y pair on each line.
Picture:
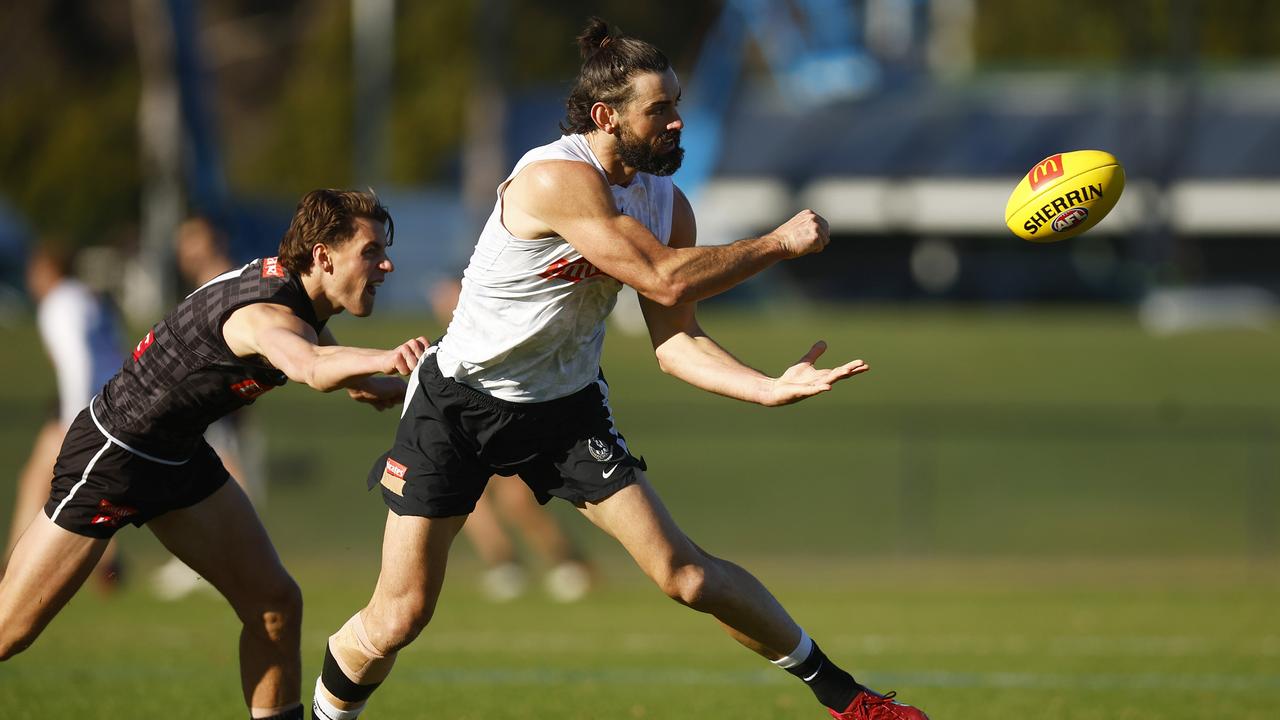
x,y
452,438
99,484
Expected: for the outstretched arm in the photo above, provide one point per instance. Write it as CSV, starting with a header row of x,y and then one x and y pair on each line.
x,y
380,391
275,334
572,200
685,351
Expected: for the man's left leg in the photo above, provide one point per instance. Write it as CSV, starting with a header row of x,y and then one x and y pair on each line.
x,y
636,517
222,539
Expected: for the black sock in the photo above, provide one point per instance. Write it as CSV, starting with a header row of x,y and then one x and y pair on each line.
x,y
291,714
337,682
833,687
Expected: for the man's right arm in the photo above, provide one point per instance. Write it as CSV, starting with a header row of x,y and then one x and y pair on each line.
x,y
275,334
572,200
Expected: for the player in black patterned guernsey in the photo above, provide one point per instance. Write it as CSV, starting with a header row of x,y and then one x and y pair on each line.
x,y
137,454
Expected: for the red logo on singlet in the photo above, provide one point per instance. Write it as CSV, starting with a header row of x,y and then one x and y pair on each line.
x,y
112,515
396,469
271,267
249,389
143,344
575,271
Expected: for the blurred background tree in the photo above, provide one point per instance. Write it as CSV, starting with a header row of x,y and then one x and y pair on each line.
x,y
282,81
68,104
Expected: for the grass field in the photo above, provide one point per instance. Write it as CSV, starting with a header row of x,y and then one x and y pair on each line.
x,y
1040,514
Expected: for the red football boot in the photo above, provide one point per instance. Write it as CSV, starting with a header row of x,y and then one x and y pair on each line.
x,y
870,705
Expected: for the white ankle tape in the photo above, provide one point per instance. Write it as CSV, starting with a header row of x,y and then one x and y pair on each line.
x,y
799,655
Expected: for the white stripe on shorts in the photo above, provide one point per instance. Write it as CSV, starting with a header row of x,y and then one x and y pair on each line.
x,y
613,427
83,479
135,451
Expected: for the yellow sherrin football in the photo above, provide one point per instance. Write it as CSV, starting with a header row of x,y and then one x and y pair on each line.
x,y
1064,195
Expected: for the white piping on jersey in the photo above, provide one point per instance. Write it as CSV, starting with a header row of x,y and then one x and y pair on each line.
x,y
133,450
224,276
84,477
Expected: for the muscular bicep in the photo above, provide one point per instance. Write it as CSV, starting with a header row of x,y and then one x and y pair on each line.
x,y
274,334
664,322
572,200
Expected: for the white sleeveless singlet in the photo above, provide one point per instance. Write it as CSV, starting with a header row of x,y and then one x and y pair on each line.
x,y
529,326
80,333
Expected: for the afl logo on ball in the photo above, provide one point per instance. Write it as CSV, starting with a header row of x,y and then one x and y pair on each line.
x,y
1070,218
600,450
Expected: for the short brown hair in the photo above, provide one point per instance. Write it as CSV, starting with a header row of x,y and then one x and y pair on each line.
x,y
609,61
328,217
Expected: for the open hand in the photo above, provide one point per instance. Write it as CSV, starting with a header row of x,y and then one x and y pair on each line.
x,y
803,380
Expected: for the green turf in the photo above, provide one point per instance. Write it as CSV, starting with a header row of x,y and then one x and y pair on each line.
x,y
1025,514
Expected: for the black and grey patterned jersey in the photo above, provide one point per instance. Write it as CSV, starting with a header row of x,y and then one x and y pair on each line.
x,y
182,375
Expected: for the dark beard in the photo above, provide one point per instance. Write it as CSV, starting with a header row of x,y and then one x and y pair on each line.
x,y
636,153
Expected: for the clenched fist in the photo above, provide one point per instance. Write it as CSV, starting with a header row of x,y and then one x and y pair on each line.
x,y
805,233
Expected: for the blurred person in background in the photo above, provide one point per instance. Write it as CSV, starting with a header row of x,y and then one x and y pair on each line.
x,y
515,386
201,253
137,453
506,505
81,335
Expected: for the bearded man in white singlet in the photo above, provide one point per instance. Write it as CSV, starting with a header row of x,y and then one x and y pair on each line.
x,y
514,387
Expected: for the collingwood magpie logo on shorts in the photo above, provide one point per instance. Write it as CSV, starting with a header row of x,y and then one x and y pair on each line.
x,y
600,450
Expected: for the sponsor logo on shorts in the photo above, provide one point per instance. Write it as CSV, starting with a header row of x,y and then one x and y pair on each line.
x,y
112,515
249,388
271,267
143,344
573,271
600,450
1070,219
1048,170
393,477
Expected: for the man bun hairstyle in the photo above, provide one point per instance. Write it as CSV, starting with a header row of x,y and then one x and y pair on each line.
x,y
328,217
609,61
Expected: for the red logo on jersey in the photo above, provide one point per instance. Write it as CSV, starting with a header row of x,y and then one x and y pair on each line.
x,y
249,389
396,469
112,515
271,267
143,344
575,271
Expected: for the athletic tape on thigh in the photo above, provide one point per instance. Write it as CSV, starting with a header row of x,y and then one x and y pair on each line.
x,y
362,665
